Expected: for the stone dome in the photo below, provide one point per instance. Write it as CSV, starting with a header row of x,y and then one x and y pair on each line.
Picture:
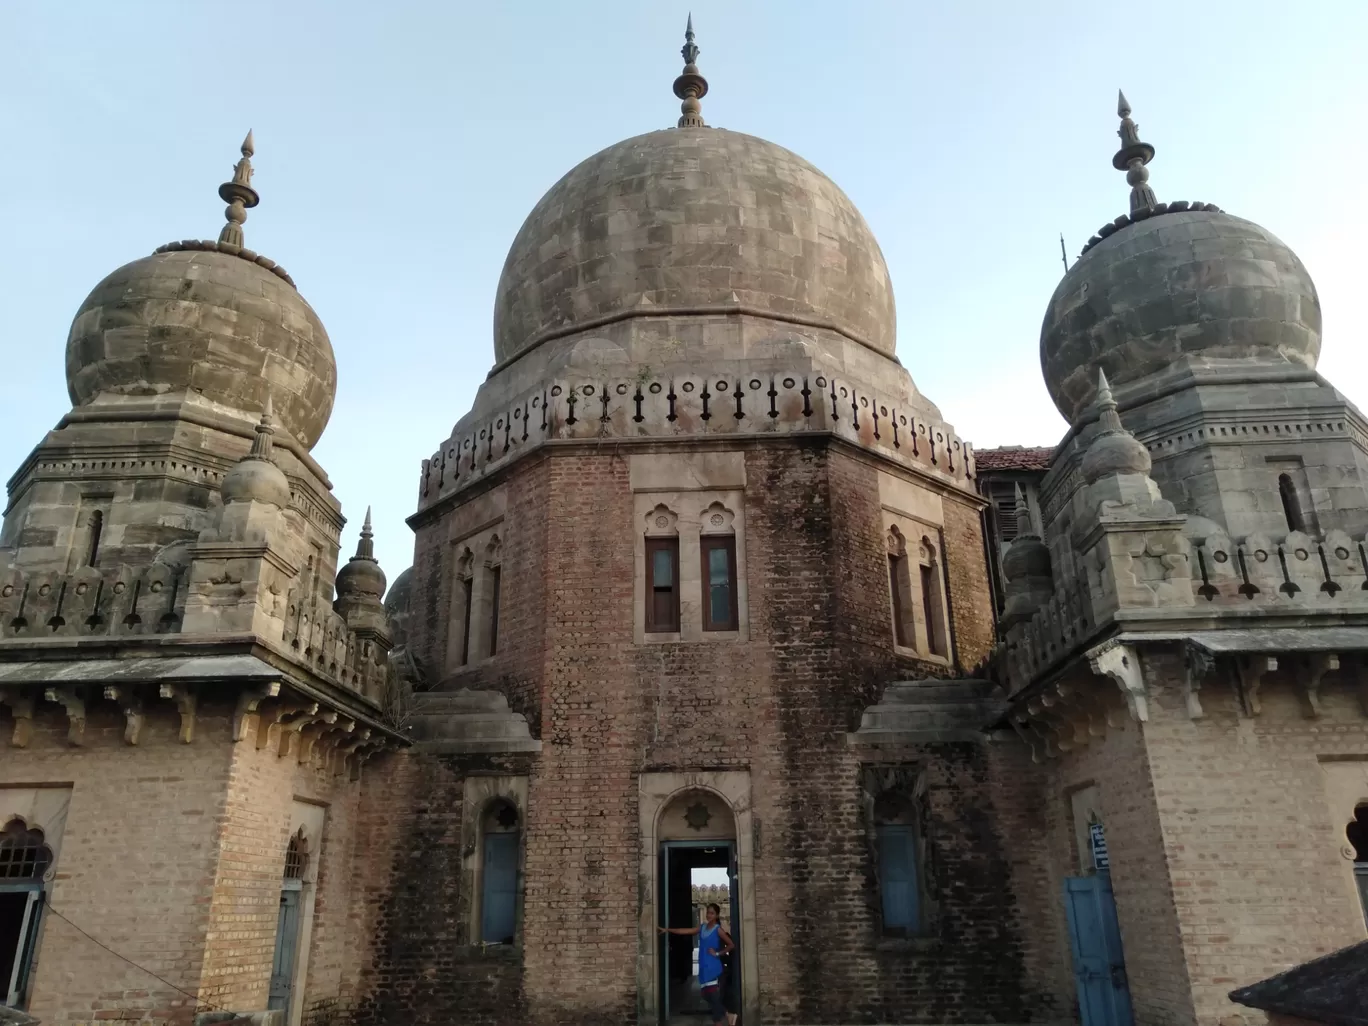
x,y
361,578
1191,283
693,221
257,480
214,323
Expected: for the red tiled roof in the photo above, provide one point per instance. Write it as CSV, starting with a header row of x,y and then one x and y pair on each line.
x,y
1013,457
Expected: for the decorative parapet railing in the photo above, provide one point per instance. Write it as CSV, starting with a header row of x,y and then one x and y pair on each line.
x,y
128,602
692,406
1260,576
318,636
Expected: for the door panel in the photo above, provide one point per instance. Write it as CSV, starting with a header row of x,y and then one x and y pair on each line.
x,y
286,951
1095,939
498,914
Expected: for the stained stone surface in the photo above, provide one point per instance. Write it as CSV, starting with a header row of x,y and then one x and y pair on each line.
x,y
1199,284
683,219
206,323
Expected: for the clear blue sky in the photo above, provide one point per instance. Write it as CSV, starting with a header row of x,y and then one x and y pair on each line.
x,y
400,145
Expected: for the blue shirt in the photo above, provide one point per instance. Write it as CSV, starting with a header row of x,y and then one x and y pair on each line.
x,y
709,966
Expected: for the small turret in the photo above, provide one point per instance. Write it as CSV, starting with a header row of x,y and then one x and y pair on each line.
x,y
1026,565
256,478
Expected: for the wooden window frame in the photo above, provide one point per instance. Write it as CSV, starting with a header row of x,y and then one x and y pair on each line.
x,y
727,543
654,545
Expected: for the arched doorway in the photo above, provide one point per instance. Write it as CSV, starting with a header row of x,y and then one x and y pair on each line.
x,y
24,861
676,838
697,867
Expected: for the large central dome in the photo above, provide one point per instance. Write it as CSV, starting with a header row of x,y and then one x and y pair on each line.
x,y
693,221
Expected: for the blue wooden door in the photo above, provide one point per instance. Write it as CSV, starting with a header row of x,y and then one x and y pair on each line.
x,y
286,951
498,918
1095,937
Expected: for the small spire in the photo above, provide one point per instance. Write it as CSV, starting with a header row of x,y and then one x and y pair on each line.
x,y
1108,419
1132,158
261,444
690,86
239,195
1024,527
365,548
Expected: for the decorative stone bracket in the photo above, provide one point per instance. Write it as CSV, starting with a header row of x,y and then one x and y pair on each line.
x,y
296,726
1121,663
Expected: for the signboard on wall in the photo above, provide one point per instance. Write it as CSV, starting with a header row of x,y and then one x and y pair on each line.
x,y
1097,841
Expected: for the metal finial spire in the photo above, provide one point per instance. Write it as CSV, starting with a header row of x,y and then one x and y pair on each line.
x,y
1132,158
239,195
261,444
365,548
690,86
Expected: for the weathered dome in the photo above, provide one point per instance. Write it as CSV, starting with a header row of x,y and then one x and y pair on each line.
x,y
256,480
1198,283
361,578
214,323
400,594
693,221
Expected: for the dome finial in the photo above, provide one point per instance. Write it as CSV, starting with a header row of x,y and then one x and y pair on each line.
x,y
1132,158
261,444
365,547
690,86
1024,525
239,195
1108,418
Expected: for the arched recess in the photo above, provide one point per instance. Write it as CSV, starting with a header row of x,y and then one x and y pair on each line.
x,y
664,809
25,861
493,818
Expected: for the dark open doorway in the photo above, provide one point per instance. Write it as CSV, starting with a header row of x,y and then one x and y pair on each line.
x,y
693,873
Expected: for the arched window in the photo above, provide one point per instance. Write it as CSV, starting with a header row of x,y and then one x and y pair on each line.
x,y
1357,834
24,860
465,598
296,856
900,588
931,600
499,886
717,545
493,593
662,571
23,854
899,874
1291,503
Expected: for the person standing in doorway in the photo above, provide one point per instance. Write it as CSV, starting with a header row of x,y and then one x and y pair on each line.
x,y
713,943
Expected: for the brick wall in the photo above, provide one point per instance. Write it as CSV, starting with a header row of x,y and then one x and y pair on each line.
x,y
778,705
1253,855
136,866
1225,861
172,856
409,956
